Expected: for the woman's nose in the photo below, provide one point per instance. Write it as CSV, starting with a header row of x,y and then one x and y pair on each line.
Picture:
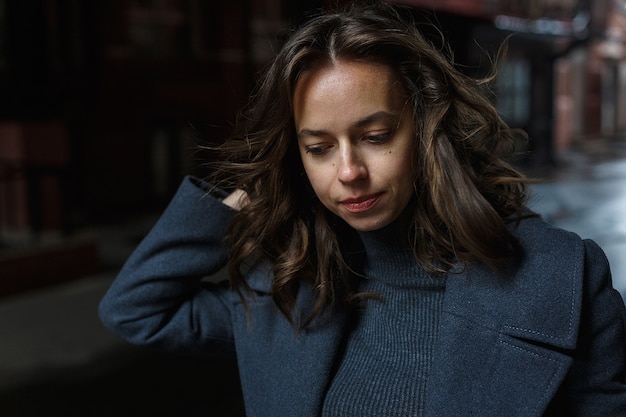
x,y
352,166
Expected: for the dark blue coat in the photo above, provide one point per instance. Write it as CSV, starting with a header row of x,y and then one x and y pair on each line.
x,y
547,341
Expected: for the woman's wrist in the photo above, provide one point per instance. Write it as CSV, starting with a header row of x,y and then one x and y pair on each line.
x,y
236,200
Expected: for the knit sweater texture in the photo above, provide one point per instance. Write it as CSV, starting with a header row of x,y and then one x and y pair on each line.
x,y
388,354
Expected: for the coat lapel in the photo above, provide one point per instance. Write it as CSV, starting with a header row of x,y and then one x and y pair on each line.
x,y
505,344
286,372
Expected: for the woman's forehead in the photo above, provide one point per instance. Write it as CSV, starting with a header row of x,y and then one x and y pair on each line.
x,y
348,85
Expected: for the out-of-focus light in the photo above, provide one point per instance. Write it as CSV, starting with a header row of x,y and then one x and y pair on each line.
x,y
544,26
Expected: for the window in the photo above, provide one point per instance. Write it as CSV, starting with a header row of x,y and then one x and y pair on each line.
x,y
513,92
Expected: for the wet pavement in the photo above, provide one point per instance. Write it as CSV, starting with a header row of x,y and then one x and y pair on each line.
x,y
56,359
587,195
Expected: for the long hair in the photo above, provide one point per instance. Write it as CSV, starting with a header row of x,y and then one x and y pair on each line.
x,y
465,192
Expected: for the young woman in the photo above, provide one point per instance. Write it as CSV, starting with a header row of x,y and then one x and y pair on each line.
x,y
382,260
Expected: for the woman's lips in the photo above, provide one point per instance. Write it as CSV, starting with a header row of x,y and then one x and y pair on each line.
x,y
360,204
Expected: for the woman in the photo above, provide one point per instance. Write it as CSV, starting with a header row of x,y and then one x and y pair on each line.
x,y
382,261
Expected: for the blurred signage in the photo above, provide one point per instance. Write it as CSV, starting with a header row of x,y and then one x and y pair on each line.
x,y
528,9
545,17
576,27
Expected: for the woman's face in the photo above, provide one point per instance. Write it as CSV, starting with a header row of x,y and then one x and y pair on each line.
x,y
356,138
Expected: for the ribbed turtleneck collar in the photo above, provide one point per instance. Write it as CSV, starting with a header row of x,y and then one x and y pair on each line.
x,y
389,256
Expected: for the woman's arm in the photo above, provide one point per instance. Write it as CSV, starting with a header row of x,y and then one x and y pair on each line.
x,y
159,298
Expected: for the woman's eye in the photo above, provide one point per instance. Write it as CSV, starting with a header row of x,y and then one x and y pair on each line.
x,y
379,137
317,149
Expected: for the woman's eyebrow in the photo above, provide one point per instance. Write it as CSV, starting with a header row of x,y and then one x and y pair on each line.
x,y
371,118
311,132
375,117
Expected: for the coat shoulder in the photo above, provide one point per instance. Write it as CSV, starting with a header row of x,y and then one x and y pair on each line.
x,y
538,237
536,298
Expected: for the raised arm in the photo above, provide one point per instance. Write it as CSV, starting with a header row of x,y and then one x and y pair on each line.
x,y
159,297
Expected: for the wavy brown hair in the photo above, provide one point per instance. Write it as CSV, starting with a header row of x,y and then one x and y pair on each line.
x,y
465,193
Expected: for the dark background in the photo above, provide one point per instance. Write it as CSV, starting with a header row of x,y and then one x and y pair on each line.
x,y
112,98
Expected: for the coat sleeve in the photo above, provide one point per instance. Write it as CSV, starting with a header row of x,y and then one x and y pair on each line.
x,y
159,298
598,376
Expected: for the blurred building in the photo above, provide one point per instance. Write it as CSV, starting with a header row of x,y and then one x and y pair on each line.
x,y
103,104
565,76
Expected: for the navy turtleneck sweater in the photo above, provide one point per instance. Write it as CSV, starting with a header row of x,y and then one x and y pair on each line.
x,y
386,362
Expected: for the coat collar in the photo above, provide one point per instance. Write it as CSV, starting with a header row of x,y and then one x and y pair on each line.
x,y
505,343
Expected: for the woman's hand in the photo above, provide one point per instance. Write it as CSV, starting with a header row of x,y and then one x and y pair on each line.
x,y
236,200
